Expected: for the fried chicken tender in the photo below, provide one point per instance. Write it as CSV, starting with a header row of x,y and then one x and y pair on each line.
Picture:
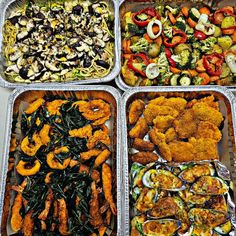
x,y
185,125
163,122
62,216
182,151
152,111
204,112
157,101
136,110
208,130
49,199
107,187
156,137
28,224
89,154
16,218
208,100
205,149
102,157
165,151
140,129
95,216
142,145
84,132
170,135
99,136
144,157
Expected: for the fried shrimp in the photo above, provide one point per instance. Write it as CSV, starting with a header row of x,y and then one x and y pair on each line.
x,y
96,218
63,216
16,218
84,132
142,145
102,157
31,148
83,169
27,168
34,106
107,186
95,175
54,107
95,110
162,123
136,110
144,157
28,224
98,137
54,163
44,134
44,214
140,129
89,154
156,137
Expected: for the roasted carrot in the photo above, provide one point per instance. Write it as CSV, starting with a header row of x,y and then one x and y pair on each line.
x,y
234,36
192,73
126,46
172,18
175,70
205,10
191,23
200,67
228,31
214,78
127,56
185,11
148,38
206,78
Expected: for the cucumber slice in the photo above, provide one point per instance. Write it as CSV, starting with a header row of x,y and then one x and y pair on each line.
x,y
174,80
185,81
194,14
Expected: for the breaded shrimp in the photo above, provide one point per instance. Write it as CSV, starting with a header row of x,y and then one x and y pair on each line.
x,y
49,199
95,175
102,157
170,135
28,225
16,218
156,137
107,186
162,123
34,106
95,216
63,216
89,154
165,151
144,157
54,106
44,134
99,136
84,132
136,110
142,145
140,129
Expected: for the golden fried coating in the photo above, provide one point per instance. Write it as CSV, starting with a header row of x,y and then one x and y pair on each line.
x,y
44,134
31,148
136,110
28,224
157,101
6,207
62,216
208,100
185,125
205,149
203,112
144,157
95,215
142,145
208,130
140,129
95,175
16,218
34,106
48,202
163,122
83,169
102,157
165,151
84,132
99,136
152,111
182,151
89,154
156,137
170,135
107,187
54,107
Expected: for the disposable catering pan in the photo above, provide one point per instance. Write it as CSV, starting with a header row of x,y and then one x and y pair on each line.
x,y
20,99
135,6
9,7
226,147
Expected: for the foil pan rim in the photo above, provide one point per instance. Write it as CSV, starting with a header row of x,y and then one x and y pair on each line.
x,y
18,91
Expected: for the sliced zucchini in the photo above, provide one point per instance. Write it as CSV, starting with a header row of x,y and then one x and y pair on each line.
x,y
174,80
225,71
185,81
194,14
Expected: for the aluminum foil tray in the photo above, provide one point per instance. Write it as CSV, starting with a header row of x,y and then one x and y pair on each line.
x,y
21,97
132,5
5,12
226,147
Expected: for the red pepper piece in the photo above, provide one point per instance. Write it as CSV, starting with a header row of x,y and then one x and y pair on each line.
x,y
145,60
176,32
150,11
168,56
199,35
213,63
225,11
